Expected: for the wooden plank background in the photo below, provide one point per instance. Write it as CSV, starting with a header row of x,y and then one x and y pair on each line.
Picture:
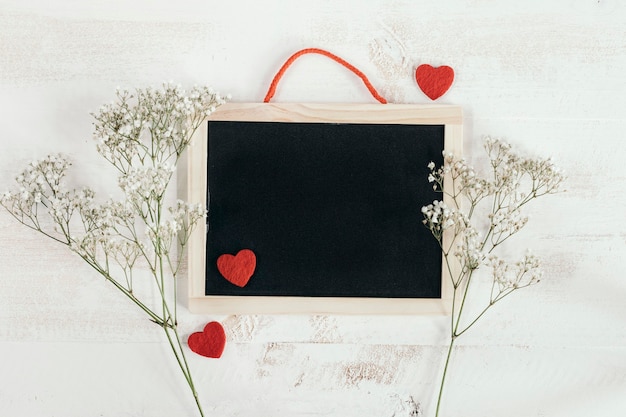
x,y
548,76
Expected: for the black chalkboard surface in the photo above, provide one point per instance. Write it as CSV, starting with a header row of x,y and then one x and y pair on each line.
x,y
329,205
330,210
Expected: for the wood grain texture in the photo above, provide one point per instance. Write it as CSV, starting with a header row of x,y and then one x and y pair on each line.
x,y
548,76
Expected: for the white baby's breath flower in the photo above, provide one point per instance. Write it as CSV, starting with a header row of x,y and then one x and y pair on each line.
x,y
469,250
145,183
151,124
514,181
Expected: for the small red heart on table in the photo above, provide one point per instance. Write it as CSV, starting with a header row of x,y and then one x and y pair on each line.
x,y
237,269
210,342
434,82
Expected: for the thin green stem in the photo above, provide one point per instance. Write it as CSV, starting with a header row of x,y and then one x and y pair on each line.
x,y
175,300
181,359
443,377
463,298
37,228
153,316
459,333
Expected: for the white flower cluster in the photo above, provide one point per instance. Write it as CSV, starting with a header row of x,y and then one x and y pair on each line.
x,y
471,244
151,124
143,184
509,277
184,217
102,224
438,217
506,222
469,249
513,173
39,181
41,190
462,175
515,180
142,135
187,215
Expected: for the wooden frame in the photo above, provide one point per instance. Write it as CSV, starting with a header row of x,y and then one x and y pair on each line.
x,y
193,186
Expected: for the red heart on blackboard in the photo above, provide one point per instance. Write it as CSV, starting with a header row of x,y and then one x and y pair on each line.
x,y
434,82
210,342
237,269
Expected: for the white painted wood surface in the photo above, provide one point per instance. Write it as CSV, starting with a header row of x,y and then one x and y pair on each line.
x,y
549,76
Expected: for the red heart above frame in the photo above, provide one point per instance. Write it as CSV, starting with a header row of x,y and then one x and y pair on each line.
x,y
237,269
210,342
434,82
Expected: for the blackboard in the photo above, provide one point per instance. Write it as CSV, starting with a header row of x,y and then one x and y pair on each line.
x,y
328,199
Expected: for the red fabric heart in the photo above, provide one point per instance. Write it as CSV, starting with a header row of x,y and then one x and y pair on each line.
x,y
210,342
434,82
237,269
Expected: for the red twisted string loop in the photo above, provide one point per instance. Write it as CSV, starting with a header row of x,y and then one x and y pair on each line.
x,y
292,58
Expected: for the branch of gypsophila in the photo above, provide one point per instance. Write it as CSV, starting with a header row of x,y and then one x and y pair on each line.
x,y
446,258
182,239
91,262
159,273
500,239
127,269
468,281
175,296
455,316
459,333
112,162
488,235
154,270
158,281
454,301
474,200
456,193
167,313
134,239
64,226
35,226
531,196
456,319
123,169
96,266
175,266
182,244
492,302
181,358
160,253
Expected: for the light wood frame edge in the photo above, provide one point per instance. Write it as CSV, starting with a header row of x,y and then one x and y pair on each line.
x,y
192,188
